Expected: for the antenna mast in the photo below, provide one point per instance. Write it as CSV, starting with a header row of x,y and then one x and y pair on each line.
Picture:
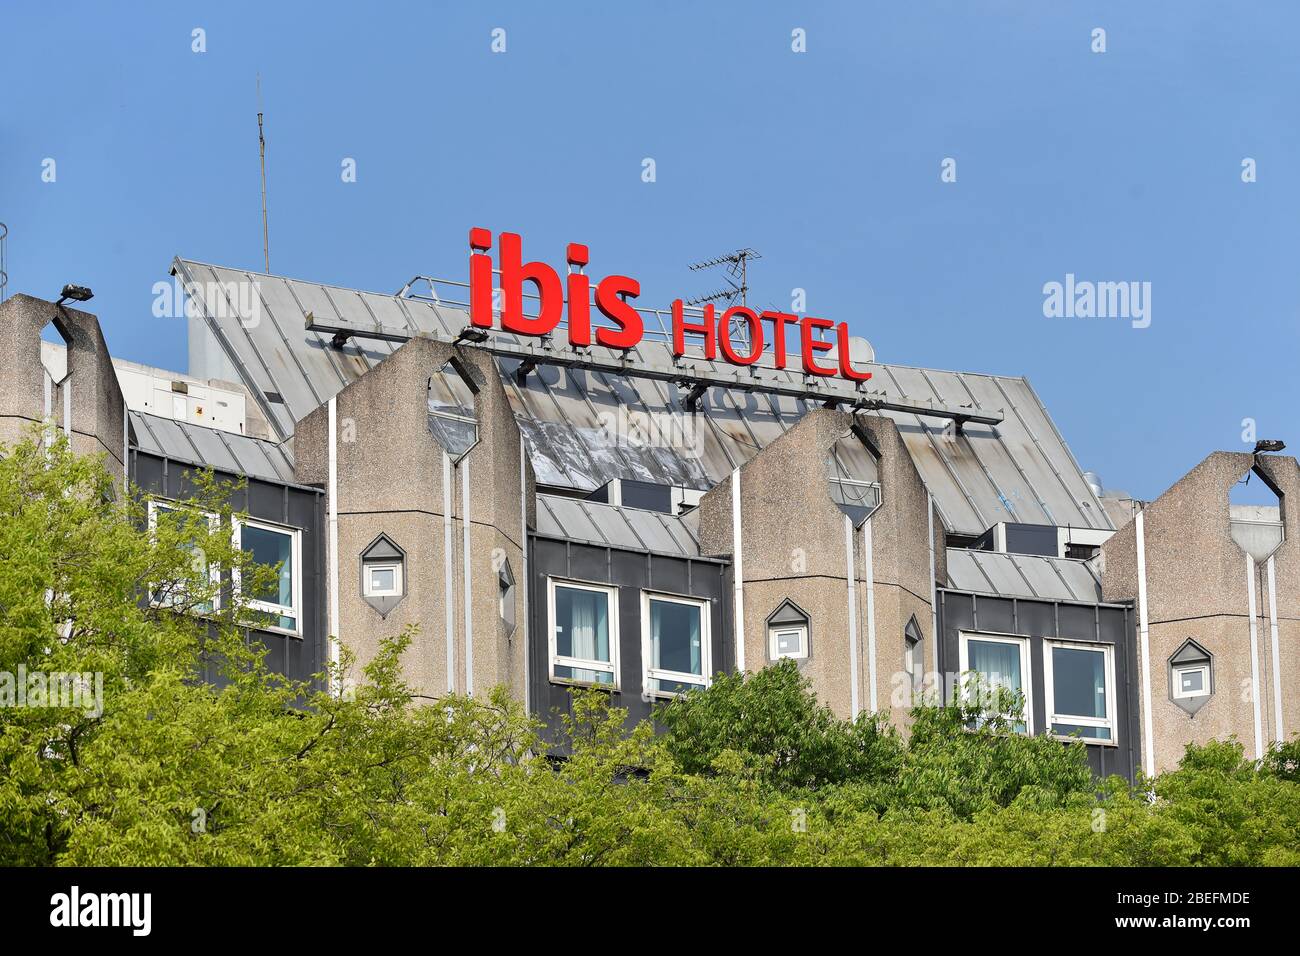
x,y
261,148
737,277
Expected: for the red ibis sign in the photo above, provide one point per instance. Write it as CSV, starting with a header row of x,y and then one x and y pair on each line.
x,y
612,299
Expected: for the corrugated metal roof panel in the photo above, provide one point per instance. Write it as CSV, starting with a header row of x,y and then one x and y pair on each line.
x,y
576,421
212,448
1022,575
628,528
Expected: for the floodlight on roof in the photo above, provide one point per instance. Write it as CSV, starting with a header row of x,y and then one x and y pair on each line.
x,y
77,293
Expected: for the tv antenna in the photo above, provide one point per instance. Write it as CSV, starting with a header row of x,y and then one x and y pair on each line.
x,y
737,278
261,149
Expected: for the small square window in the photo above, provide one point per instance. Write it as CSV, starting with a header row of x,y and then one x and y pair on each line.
x,y
1191,680
789,642
383,580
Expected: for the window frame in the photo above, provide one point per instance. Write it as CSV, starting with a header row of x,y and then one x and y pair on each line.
x,y
648,673
1026,668
384,564
154,505
774,629
578,663
1178,669
278,610
1049,688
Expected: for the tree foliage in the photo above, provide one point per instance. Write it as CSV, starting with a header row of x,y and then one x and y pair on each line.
x,y
197,754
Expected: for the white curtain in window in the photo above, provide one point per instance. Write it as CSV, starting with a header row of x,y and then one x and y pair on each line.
x,y
582,627
998,665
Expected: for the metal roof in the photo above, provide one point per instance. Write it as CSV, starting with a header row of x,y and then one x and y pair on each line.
x,y
574,419
608,525
1023,575
212,448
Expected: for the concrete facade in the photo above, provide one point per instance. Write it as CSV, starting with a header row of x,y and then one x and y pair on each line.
x,y
1198,586
796,545
83,399
392,480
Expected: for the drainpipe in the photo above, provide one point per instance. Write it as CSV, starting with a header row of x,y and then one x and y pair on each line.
x,y
333,546
448,586
1254,659
853,618
524,581
934,584
1144,634
737,566
469,604
871,612
1278,733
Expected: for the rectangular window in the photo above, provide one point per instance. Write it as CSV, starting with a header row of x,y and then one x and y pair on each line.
x,y
675,647
1080,690
789,640
383,580
280,548
1191,680
175,593
584,632
999,663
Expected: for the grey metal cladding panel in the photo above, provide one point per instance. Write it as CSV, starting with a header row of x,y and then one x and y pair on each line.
x,y
1023,404
1003,573
1079,578
574,523
649,527
991,489
1019,447
683,537
689,524
237,334
939,478
253,460
964,574
224,451
1022,575
1042,577
989,446
613,526
212,451
145,439
546,520
172,441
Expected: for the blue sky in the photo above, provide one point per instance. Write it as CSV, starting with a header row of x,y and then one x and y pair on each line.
x,y
1115,166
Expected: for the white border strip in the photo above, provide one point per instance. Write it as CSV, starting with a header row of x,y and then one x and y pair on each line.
x,y
448,585
469,603
853,618
871,613
738,571
1144,634
1254,659
1278,733
333,545
522,628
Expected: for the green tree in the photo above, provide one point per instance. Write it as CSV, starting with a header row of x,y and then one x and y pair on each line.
x,y
193,752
